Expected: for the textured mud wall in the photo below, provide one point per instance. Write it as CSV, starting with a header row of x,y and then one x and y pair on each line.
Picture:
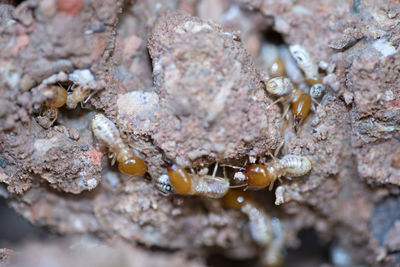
x,y
184,88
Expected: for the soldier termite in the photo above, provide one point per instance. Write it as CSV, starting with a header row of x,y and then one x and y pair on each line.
x,y
259,175
265,232
107,133
195,184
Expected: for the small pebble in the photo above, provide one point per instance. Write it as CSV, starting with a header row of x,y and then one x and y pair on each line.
x,y
70,7
73,133
85,148
3,164
26,83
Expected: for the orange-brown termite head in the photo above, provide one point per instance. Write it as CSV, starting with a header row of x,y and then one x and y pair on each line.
x,y
105,131
179,179
277,68
57,96
258,175
301,105
236,198
133,166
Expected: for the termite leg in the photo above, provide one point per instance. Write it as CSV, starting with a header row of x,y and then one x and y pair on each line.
x,y
89,96
276,101
285,113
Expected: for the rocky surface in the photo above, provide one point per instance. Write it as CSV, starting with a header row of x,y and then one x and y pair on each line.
x,y
184,88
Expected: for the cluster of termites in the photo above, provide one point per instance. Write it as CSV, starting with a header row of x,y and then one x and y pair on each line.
x,y
265,231
66,93
300,96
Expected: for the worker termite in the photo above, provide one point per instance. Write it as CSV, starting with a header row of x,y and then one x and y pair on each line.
x,y
289,95
56,98
259,175
304,61
265,232
195,184
107,133
310,69
78,94
271,57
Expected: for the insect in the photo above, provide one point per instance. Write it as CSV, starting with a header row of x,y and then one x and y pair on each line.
x,y
270,54
105,131
78,94
266,232
289,95
195,184
259,175
56,98
304,61
310,69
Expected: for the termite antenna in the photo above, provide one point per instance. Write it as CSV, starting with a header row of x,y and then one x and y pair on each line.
x,y
238,186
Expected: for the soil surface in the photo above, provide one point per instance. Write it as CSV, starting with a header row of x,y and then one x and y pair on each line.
x,y
184,81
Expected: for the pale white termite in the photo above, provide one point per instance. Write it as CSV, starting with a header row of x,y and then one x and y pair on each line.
x,y
265,232
293,72
77,95
272,255
105,131
304,61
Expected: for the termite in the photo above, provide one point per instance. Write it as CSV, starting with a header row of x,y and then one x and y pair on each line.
x,y
310,69
105,131
195,184
289,95
261,176
265,232
304,61
275,65
77,95
57,97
